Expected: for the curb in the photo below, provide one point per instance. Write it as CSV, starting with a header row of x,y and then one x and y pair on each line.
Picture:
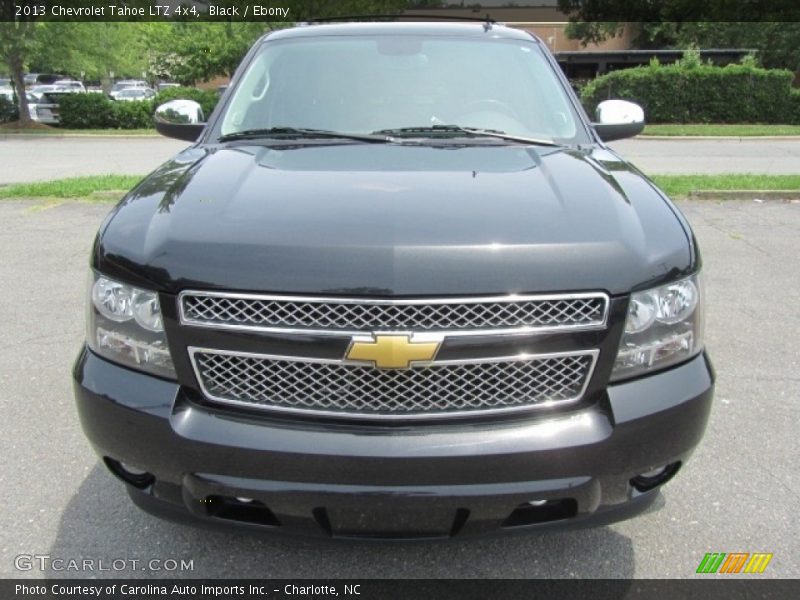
x,y
744,195
739,138
107,136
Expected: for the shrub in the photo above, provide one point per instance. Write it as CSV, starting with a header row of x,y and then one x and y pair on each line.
x,y
691,58
137,114
8,110
793,110
207,99
97,111
578,84
86,111
692,92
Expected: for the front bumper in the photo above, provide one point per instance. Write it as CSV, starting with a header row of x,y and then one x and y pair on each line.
x,y
396,481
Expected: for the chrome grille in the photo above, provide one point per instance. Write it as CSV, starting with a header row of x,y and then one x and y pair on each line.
x,y
332,315
436,389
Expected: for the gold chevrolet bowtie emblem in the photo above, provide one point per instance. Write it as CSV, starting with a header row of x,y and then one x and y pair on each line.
x,y
395,351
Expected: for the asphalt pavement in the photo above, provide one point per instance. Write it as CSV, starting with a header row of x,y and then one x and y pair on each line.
x,y
708,156
738,493
39,158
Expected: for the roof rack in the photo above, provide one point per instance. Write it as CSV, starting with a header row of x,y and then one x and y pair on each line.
x,y
487,19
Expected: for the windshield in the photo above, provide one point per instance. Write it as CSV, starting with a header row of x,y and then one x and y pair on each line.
x,y
371,84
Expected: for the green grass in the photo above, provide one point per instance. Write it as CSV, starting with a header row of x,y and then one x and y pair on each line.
x,y
711,129
87,132
682,185
673,130
73,187
666,129
113,185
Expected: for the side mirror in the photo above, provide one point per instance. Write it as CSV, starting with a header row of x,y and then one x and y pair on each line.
x,y
180,119
618,119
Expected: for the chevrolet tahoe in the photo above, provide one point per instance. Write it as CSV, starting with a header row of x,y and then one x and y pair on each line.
x,y
397,287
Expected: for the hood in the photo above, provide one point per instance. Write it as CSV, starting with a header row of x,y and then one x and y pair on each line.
x,y
394,220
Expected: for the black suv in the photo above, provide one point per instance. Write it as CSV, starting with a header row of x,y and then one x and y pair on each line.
x,y
397,287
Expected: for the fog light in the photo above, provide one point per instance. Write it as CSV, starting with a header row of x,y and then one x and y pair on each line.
x,y
132,470
535,512
653,473
130,475
654,477
243,510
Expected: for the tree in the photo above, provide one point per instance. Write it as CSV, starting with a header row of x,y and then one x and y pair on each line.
x,y
188,52
679,11
16,39
184,51
682,24
70,48
306,10
191,52
91,48
776,44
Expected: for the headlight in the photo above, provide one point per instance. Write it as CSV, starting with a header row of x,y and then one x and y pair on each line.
x,y
146,310
125,326
664,326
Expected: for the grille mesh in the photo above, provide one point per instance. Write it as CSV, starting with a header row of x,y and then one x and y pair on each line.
x,y
330,315
351,389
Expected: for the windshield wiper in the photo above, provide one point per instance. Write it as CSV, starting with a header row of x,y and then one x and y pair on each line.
x,y
472,131
302,132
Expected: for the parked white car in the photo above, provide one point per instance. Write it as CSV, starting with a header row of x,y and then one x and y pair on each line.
x,y
133,94
40,90
124,84
70,85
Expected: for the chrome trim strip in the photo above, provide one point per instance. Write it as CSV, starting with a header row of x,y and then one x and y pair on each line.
x,y
594,353
529,330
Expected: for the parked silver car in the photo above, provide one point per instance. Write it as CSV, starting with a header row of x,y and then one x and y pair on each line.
x,y
45,108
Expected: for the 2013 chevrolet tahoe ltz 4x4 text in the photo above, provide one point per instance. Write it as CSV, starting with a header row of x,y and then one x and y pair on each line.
x,y
398,287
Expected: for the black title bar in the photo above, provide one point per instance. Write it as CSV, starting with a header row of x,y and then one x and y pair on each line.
x,y
531,11
712,587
